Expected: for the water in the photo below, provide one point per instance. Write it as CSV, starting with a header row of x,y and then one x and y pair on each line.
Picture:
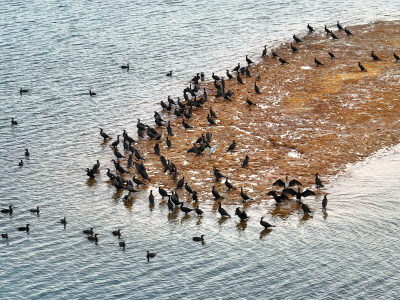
x,y
59,50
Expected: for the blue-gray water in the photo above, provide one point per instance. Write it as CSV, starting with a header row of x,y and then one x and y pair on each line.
x,y
59,50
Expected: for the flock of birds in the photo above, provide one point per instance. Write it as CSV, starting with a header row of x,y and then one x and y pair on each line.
x,y
194,98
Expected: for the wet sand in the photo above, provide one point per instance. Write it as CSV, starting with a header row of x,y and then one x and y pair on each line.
x,y
307,119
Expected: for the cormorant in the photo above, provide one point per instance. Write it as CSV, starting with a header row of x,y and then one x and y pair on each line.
x,y
298,194
339,26
264,52
150,255
236,69
169,73
248,60
374,56
212,113
310,28
163,192
348,32
256,89
331,55
194,196
294,49
305,208
115,144
278,198
4,235
318,181
96,166
21,163
245,161
24,228
283,61
92,93
229,75
216,194
244,196
396,57
188,188
118,154
241,214
361,67
26,152
217,174
109,174
186,210
274,54
122,244
327,30
13,122
8,210
265,223
35,210
232,147
211,121
186,125
222,211
215,77
318,62
93,238
157,149
239,79
324,202
88,231
297,39
334,36
199,212
249,102
21,90
170,205
180,183
117,233
64,221
199,238
229,185
286,184
125,67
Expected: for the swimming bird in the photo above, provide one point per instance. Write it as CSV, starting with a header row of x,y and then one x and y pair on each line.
x,y
310,28
249,102
8,210
241,214
298,194
294,49
244,196
327,30
305,208
188,188
21,90
318,62
297,39
334,36
264,52
374,56
265,224
222,211
150,255
318,181
21,163
93,238
35,210
229,185
324,202
212,149
64,221
199,238
4,235
117,233
245,161
198,211
92,93
13,122
122,244
186,210
125,67
361,67
26,152
283,61
331,55
169,73
104,135
396,57
348,32
24,228
286,184
88,231
339,26
256,89
186,125
216,194
278,198
231,147
248,60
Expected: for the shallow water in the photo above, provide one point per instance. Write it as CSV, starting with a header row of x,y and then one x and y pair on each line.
x,y
59,51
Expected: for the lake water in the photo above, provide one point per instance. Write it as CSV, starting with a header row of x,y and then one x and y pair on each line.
x,y
60,50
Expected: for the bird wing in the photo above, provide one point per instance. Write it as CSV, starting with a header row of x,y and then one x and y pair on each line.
x,y
294,182
279,182
289,191
307,193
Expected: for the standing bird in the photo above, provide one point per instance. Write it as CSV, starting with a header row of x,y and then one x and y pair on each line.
x,y
115,144
168,141
241,214
310,28
327,30
324,202
278,198
198,211
249,102
396,57
283,61
236,69
348,32
212,113
334,36
239,79
222,211
294,49
248,60
104,135
286,184
361,67
151,198
229,185
298,194
244,196
232,147
297,39
265,223
264,52
256,89
180,184
188,189
245,161
374,56
331,55
318,62
339,26
216,194
162,192
211,121
318,181
305,208
229,75
186,125
186,210
150,255
157,149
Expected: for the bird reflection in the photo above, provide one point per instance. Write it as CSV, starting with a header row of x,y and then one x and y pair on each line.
x,y
264,233
173,215
199,221
151,207
117,195
185,218
242,225
91,182
222,220
306,217
128,204
325,214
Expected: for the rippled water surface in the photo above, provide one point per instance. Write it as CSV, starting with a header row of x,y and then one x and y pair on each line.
x,y
59,50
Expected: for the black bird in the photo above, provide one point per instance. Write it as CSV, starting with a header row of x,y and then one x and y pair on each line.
x,y
198,211
305,208
318,181
212,113
35,210
232,147
229,185
194,196
244,196
229,75
170,205
186,210
186,125
92,93
21,90
324,202
248,60
374,56
93,238
24,228
117,233
217,174
13,122
96,166
334,36
339,26
4,235
298,194
151,198
150,255
256,89
286,184
265,223
241,214
157,149
216,194
331,55
119,168
64,221
310,28
199,238
211,121
278,198
222,211
215,77
168,141
348,32
188,188
239,79
361,67
274,54
245,161
169,73
163,193
110,175
294,49
396,57
122,244
26,152
264,52
249,102
169,129
318,62
8,210
138,155
21,163
88,231
137,181
237,68
115,144
118,154
283,61
208,136
327,30
180,183
125,67
297,39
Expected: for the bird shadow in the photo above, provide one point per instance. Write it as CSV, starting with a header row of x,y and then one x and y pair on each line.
x,y
264,233
222,220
